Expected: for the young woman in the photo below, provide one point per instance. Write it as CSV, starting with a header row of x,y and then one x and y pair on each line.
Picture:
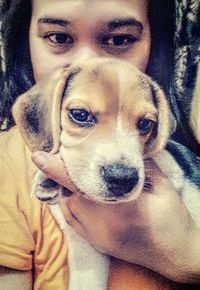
x,y
156,231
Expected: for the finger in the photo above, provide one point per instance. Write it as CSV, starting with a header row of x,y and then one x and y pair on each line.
x,y
71,208
53,167
67,213
72,219
157,181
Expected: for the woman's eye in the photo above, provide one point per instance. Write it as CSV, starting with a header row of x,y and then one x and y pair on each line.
x,y
145,125
59,39
119,40
82,117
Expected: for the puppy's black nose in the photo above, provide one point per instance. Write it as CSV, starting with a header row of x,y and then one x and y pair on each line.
x,y
120,179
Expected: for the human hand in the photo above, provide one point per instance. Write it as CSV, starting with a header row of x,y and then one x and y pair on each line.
x,y
155,231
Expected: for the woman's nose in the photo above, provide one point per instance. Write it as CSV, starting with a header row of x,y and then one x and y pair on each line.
x,y
85,53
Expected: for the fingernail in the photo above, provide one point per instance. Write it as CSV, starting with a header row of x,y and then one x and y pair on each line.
x,y
40,161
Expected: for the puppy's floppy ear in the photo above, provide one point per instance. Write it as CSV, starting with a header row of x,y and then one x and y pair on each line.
x,y
37,112
166,122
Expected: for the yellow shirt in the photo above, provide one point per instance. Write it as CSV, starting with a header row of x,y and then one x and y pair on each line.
x,y
30,237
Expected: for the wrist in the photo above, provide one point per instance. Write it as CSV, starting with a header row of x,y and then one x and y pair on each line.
x,y
186,266
194,257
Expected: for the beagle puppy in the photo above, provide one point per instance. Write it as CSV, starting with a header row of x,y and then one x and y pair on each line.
x,y
103,118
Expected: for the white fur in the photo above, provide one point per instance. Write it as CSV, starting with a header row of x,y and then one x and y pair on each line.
x,y
88,268
189,193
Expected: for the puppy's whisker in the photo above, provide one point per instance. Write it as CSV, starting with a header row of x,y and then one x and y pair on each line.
x,y
148,186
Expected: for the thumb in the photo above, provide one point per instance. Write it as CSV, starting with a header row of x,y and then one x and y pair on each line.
x,y
53,167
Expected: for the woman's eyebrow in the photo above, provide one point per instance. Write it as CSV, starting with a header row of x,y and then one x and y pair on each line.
x,y
53,20
121,22
110,25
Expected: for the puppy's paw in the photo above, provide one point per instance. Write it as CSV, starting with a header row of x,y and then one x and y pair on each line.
x,y
45,189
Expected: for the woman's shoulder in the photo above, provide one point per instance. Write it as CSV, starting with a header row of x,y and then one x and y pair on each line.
x,y
16,164
15,206
11,141
26,225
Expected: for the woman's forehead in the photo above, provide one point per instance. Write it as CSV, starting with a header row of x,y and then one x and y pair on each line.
x,y
75,9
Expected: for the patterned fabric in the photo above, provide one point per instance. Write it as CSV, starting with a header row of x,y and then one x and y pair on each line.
x,y
187,57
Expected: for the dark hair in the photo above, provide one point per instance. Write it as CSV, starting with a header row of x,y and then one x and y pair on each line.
x,y
18,76
162,24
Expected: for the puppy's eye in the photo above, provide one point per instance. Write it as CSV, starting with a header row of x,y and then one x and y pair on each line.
x,y
145,126
82,117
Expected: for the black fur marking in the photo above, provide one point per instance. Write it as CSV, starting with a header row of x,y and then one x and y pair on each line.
x,y
32,118
34,115
36,122
66,192
187,160
49,183
48,199
68,82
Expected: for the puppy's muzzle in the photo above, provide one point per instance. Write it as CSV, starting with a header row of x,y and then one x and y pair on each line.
x,y
120,179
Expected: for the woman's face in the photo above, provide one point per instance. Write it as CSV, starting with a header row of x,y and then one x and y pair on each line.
x,y
67,30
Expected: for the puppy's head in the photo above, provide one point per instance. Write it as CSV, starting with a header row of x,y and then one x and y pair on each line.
x,y
103,116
